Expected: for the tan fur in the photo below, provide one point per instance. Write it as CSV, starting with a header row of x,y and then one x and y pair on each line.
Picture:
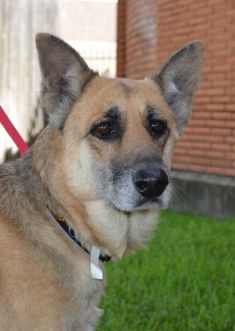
x,y
45,280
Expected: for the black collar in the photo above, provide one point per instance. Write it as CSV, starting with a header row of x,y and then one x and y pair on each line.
x,y
70,232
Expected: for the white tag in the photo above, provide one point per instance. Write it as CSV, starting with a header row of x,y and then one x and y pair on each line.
x,y
96,270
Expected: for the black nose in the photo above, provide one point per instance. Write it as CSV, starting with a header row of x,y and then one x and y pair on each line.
x,y
150,180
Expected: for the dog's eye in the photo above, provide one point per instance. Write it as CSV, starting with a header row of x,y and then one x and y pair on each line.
x,y
103,130
158,127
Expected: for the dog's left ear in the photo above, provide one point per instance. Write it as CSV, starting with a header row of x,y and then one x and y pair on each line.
x,y
64,75
179,79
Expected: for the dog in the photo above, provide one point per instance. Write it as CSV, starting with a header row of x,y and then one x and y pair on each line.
x,y
91,186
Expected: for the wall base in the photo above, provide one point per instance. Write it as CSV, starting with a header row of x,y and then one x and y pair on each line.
x,y
205,194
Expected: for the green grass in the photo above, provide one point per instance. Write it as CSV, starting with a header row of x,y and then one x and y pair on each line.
x,y
183,281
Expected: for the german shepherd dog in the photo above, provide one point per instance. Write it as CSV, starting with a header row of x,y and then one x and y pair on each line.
x,y
90,187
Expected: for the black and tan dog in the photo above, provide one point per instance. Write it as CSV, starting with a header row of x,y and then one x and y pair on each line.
x,y
90,187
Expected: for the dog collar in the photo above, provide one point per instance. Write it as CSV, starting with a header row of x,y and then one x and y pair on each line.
x,y
70,232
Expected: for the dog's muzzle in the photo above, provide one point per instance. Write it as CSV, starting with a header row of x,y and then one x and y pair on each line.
x,y
150,179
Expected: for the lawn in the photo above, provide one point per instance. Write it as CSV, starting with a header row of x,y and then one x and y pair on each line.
x,y
183,281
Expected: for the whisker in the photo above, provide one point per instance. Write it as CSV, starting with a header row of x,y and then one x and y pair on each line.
x,y
177,189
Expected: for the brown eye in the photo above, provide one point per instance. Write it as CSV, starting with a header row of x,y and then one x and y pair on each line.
x,y
158,127
104,130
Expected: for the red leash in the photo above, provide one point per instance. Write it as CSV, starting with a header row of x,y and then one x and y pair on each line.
x,y
13,133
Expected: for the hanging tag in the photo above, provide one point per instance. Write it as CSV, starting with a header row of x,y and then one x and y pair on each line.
x,y
96,270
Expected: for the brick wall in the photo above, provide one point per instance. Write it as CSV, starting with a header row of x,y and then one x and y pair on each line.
x,y
121,38
209,141
140,36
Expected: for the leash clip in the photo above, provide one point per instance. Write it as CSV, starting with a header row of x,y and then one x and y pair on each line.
x,y
96,269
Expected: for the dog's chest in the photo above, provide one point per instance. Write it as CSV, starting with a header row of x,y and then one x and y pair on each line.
x,y
84,292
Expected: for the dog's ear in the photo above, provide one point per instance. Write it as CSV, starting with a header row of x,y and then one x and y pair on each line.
x,y
179,78
64,75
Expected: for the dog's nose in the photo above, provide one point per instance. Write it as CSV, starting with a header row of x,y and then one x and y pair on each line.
x,y
150,180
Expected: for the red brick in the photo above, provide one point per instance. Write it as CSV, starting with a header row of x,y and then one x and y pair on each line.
x,y
204,138
214,91
200,114
221,99
223,147
223,115
203,99
214,107
222,83
230,107
230,140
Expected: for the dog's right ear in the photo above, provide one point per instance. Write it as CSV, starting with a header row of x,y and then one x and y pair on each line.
x,y
64,75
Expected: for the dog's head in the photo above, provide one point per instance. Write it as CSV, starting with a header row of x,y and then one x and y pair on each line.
x,y
117,134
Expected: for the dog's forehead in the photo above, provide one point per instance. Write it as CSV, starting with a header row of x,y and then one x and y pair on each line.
x,y
126,94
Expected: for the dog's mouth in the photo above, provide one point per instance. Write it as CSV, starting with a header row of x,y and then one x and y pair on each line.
x,y
157,202
126,212
145,202
140,204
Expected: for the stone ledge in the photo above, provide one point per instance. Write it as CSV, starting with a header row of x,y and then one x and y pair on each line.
x,y
204,194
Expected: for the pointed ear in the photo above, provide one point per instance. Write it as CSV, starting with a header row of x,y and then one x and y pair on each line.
x,y
179,79
64,75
